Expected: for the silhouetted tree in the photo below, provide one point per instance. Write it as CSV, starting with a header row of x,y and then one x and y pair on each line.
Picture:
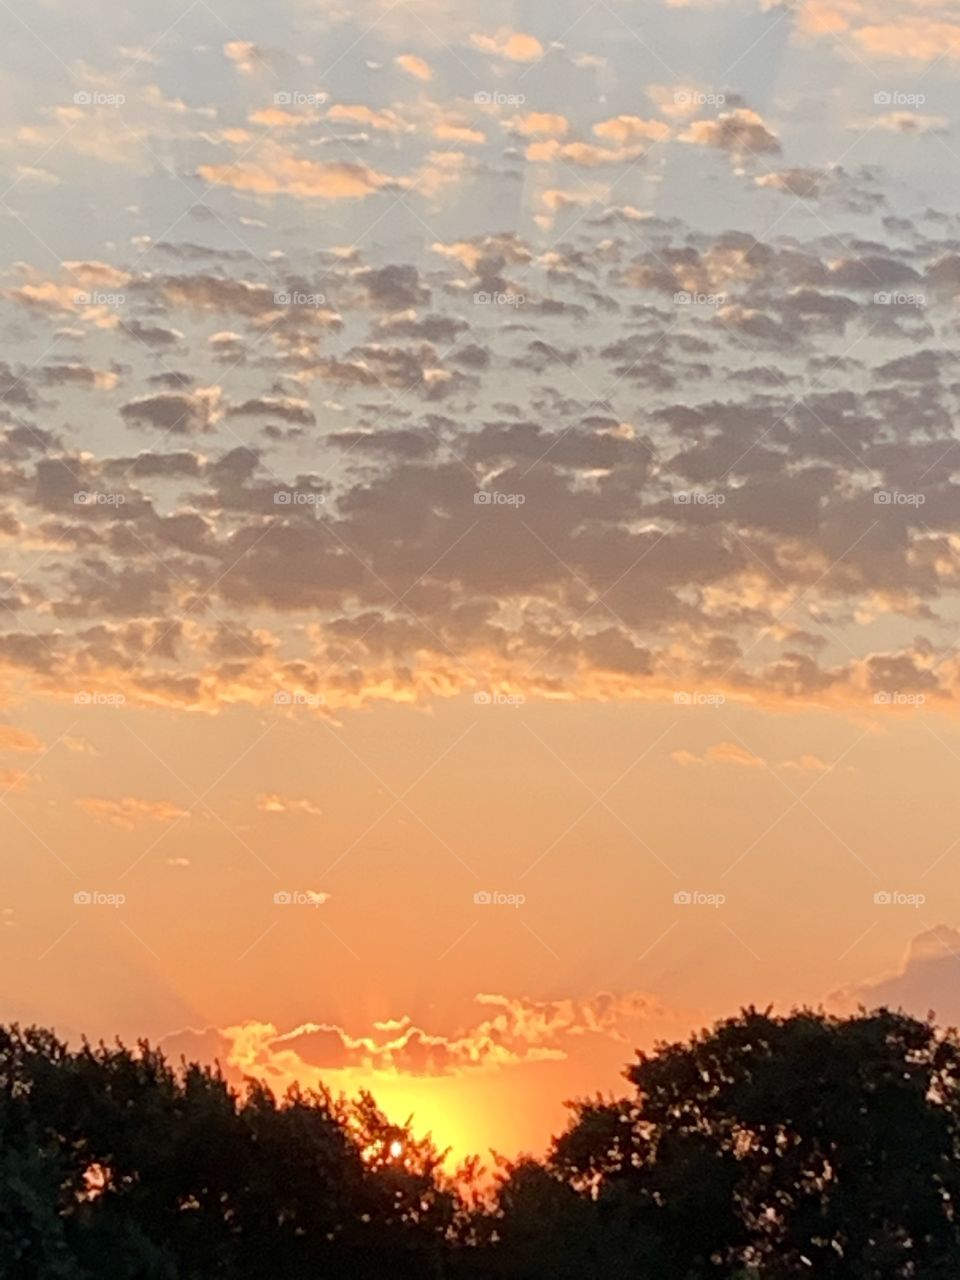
x,y
115,1164
769,1147
802,1145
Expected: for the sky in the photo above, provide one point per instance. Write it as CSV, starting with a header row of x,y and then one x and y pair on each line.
x,y
479,532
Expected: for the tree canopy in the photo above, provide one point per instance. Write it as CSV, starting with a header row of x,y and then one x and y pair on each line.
x,y
770,1146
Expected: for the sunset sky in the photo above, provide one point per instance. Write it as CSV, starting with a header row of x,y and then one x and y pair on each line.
x,y
456,449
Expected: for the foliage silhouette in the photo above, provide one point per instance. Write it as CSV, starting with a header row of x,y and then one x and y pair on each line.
x,y
773,1147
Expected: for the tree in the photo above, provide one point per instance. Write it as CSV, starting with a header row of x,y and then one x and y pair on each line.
x,y
768,1147
800,1145
113,1162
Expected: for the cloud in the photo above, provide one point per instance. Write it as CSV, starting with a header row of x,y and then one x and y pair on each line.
x,y
129,811
278,118
13,738
179,412
508,1032
628,130
244,55
806,184
721,753
540,124
275,171
580,153
358,113
911,122
273,802
918,39
916,30
515,46
928,980
453,130
680,101
414,66
741,132
733,753
15,779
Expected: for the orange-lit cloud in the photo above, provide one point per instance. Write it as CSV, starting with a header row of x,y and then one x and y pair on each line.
x,y
274,171
533,124
515,46
628,130
13,738
129,811
271,802
414,66
742,132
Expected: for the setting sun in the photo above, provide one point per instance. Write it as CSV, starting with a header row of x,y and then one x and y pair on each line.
x,y
479,598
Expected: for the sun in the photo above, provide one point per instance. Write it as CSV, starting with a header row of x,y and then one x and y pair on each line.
x,y
396,1149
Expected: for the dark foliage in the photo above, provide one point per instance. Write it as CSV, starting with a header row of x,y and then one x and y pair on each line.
x,y
770,1146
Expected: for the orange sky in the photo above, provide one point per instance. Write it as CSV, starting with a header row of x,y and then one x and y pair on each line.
x,y
479,533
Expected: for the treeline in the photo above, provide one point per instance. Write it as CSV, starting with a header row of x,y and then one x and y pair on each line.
x,y
770,1146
